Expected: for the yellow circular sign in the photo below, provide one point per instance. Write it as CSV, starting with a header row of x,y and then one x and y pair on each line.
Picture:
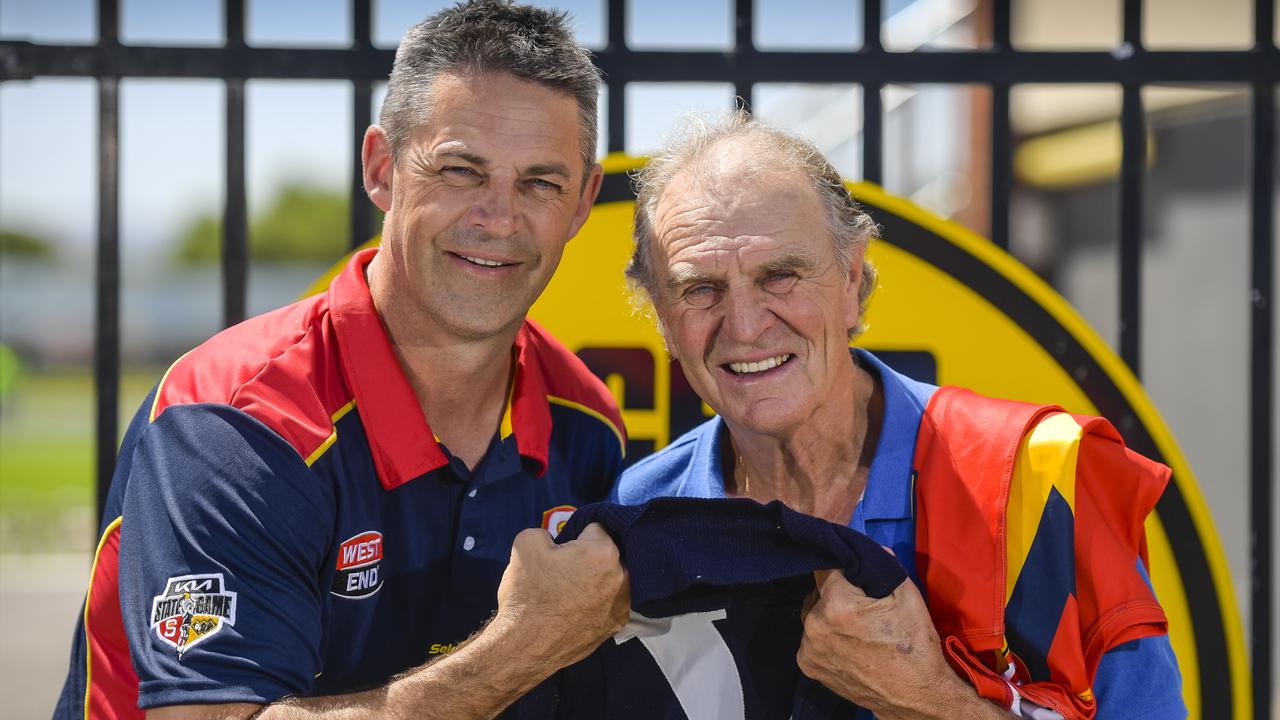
x,y
951,309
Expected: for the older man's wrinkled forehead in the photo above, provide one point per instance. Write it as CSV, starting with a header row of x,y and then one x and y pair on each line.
x,y
739,180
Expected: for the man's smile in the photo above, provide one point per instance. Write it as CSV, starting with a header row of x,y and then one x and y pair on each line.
x,y
483,263
757,367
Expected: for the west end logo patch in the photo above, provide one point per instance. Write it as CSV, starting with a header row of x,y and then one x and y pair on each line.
x,y
192,609
554,519
359,566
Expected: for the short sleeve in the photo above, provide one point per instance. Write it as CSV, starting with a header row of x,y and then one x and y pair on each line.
x,y
223,539
1140,679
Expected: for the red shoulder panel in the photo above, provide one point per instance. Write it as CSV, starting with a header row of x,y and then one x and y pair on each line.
x,y
280,368
568,379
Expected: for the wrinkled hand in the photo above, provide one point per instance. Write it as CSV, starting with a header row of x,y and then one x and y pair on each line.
x,y
882,654
562,601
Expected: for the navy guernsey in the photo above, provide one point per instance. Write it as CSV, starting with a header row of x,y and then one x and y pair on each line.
x,y
282,520
717,588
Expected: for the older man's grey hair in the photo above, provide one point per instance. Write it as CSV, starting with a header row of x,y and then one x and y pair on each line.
x,y
489,36
695,148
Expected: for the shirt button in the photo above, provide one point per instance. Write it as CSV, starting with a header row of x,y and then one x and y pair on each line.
x,y
469,543
472,493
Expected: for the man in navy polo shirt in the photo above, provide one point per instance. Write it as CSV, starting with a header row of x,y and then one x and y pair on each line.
x,y
336,496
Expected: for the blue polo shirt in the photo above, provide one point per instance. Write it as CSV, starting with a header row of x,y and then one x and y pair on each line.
x,y
283,521
1138,679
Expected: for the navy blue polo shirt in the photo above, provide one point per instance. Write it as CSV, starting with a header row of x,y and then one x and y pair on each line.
x,y
283,521
1138,679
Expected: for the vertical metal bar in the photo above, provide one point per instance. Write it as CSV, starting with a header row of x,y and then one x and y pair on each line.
x,y
1001,164
361,225
1132,24
617,121
235,242
1264,19
1001,133
106,342
872,19
872,107
1262,393
361,118
361,24
872,133
1261,372
1001,25
744,44
1132,169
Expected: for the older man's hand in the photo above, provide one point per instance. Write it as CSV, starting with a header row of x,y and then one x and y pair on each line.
x,y
883,654
559,602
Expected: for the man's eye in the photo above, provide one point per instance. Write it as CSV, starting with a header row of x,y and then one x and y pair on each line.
x,y
542,184
780,282
701,296
459,172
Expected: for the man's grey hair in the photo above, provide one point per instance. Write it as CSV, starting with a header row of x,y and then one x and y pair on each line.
x,y
489,36
694,148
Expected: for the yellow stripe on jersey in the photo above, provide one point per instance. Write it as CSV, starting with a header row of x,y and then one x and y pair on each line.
x,y
333,436
1046,459
617,431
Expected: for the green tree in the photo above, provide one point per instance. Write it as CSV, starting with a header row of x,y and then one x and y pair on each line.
x,y
18,244
302,224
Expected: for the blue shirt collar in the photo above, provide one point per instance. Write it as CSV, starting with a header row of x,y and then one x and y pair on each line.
x,y
889,486
705,478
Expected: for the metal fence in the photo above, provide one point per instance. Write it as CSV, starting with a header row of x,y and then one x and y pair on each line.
x,y
1000,67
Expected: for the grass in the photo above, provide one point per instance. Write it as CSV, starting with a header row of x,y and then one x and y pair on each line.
x,y
47,452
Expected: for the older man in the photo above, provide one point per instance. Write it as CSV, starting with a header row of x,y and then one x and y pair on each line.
x,y
752,253
324,498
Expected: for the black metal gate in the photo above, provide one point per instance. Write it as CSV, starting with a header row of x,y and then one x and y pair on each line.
x,y
1000,67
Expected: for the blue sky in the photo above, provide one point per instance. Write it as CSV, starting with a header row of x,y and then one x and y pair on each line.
x,y
172,131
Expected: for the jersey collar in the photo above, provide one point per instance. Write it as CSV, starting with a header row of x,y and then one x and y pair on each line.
x,y
401,441
528,414
890,492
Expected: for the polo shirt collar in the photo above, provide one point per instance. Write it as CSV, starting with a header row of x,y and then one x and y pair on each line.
x,y
528,414
890,492
401,441
705,477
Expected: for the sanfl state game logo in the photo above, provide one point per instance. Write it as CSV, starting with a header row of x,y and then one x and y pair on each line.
x,y
192,609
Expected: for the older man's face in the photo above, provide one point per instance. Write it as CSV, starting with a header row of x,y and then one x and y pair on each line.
x,y
751,298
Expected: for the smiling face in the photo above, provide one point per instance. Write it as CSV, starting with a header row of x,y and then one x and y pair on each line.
x,y
750,296
479,204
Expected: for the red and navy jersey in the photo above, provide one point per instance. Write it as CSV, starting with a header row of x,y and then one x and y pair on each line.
x,y
283,521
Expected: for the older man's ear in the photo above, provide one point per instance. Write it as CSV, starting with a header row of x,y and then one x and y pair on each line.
x,y
852,285
662,331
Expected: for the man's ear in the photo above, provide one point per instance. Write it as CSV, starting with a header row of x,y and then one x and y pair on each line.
x,y
853,286
662,333
590,190
379,167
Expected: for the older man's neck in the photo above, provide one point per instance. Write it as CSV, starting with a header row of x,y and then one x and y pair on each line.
x,y
820,469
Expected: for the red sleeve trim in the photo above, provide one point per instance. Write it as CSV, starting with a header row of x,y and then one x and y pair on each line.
x,y
111,685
